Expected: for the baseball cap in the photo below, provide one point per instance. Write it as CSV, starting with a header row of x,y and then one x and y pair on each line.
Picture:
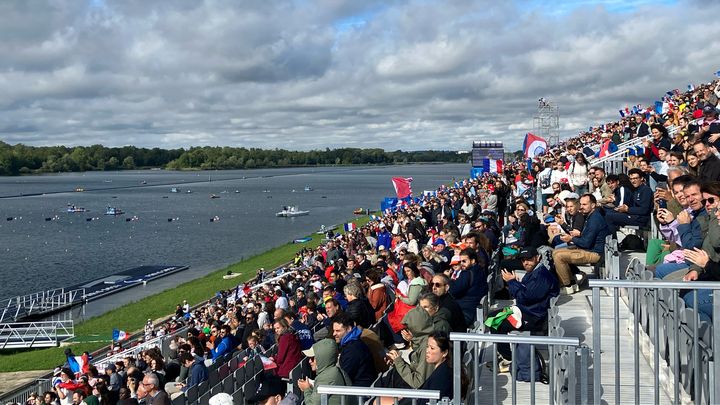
x,y
309,352
708,109
270,385
527,253
455,260
439,241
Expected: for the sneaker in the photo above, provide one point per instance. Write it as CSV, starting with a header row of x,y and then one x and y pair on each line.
x,y
504,366
569,290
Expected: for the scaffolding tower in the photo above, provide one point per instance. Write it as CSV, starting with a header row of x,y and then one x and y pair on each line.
x,y
546,122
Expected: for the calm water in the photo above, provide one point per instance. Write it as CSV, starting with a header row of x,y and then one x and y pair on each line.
x,y
36,254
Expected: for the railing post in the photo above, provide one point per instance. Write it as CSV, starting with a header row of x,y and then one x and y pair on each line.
x,y
596,345
715,370
457,365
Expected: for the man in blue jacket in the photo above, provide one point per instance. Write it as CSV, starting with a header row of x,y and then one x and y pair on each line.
x,y
355,358
532,297
586,247
227,344
469,285
198,373
638,210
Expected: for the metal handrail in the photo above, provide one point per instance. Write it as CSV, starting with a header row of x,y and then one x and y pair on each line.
x,y
655,284
325,390
490,338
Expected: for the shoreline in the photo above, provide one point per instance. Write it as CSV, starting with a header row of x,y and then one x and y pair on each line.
x,y
131,317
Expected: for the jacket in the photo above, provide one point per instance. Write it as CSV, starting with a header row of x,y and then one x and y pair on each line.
x,y
532,294
441,380
691,235
377,295
711,244
457,319
413,294
289,354
417,370
468,289
198,373
226,346
377,350
642,202
361,312
354,356
328,373
593,234
709,169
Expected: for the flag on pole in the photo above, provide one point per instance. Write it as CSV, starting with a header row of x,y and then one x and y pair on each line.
x,y
533,146
350,226
402,186
622,113
659,107
119,335
492,166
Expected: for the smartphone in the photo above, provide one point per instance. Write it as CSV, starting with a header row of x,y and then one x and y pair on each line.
x,y
662,203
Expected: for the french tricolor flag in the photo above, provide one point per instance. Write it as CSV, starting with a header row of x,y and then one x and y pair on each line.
x,y
119,335
350,226
534,145
492,166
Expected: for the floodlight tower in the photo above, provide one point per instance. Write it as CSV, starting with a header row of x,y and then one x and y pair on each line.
x,y
546,122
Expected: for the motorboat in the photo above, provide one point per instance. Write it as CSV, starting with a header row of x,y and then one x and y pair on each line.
x,y
308,188
214,196
79,189
291,211
113,211
359,211
75,209
174,190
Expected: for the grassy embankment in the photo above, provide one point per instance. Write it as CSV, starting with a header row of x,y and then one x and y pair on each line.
x,y
132,317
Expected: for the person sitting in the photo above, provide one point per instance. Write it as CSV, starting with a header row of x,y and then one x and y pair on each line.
x,y
271,390
638,210
323,357
354,353
440,316
532,298
414,372
586,246
440,287
469,285
358,308
689,229
288,352
198,374
376,292
572,220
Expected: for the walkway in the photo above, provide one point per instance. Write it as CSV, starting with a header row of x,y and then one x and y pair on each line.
x,y
576,314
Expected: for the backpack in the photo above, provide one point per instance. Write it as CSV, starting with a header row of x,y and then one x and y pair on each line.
x,y
521,357
545,181
632,243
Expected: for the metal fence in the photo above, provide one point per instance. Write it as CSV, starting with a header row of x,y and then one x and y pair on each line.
x,y
18,335
679,346
561,367
361,393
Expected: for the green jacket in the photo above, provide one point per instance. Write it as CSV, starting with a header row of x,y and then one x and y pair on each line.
x,y
711,241
328,373
417,370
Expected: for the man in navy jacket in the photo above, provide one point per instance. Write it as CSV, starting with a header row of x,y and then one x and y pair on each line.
x,y
636,212
532,297
469,285
586,247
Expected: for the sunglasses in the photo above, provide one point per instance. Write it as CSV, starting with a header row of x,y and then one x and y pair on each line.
x,y
438,285
709,200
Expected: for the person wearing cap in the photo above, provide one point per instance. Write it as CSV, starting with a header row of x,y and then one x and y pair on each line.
x,y
271,390
532,297
384,238
323,357
709,130
440,248
114,378
589,245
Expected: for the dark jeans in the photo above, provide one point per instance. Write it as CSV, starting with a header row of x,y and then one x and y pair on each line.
x,y
529,323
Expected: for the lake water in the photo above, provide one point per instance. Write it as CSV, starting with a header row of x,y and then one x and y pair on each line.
x,y
36,254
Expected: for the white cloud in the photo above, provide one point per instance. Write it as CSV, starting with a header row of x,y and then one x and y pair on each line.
x,y
404,74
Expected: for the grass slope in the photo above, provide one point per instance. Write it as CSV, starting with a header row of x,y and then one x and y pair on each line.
x,y
132,317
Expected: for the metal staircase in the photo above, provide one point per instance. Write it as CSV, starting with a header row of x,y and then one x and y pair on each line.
x,y
23,335
40,303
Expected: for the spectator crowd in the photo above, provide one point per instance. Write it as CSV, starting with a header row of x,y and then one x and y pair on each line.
x,y
375,305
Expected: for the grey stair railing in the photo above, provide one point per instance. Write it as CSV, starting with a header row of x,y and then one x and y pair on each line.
x,y
18,335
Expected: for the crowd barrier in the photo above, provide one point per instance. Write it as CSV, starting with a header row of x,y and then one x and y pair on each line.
x,y
680,348
360,393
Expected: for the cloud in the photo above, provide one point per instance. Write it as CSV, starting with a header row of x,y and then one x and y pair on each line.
x,y
404,74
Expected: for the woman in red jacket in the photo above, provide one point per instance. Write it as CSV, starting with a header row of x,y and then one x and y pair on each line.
x,y
289,353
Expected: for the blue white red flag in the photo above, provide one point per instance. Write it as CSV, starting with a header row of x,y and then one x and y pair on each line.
x,y
119,335
350,226
533,146
402,186
492,166
622,113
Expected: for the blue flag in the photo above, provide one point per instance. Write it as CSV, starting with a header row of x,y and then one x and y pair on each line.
x,y
658,107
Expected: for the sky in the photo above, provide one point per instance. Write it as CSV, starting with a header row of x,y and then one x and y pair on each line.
x,y
311,74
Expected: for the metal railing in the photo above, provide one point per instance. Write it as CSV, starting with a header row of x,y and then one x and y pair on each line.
x,y
360,393
683,350
17,308
21,335
561,366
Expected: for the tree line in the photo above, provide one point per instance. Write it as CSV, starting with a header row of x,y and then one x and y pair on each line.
x,y
23,159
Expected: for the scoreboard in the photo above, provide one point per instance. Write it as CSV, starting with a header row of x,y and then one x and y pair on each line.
x,y
482,150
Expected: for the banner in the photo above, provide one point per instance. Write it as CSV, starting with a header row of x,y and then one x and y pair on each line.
x,y
402,186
